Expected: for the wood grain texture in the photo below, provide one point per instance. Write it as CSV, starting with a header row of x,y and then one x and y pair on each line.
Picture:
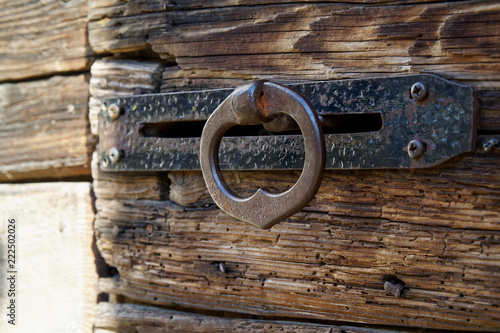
x,y
44,129
309,41
435,230
100,9
134,186
115,77
43,37
138,318
333,40
56,285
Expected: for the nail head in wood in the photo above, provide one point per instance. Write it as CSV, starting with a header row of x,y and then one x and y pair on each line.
x,y
488,145
396,289
116,231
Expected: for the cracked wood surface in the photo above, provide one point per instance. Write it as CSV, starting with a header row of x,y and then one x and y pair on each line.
x,y
44,129
112,78
43,37
309,41
141,319
435,230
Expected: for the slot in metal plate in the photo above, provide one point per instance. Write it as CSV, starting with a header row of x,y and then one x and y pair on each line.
x,y
444,122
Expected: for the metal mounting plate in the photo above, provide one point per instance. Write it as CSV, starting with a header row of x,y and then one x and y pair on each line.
x,y
444,122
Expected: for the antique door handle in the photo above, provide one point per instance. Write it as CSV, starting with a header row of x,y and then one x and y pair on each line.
x,y
255,104
415,121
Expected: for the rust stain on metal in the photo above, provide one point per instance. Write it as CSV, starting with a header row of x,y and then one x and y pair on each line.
x,y
445,121
244,106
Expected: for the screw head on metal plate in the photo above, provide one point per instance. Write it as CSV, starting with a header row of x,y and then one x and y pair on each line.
x,y
114,155
114,111
416,149
419,91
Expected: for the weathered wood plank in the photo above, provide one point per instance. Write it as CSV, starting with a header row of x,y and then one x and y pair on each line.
x,y
114,77
134,186
489,100
177,79
315,39
310,41
44,130
43,37
138,318
436,230
56,280
100,9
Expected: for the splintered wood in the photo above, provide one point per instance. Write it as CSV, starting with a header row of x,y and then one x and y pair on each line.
x,y
436,232
334,40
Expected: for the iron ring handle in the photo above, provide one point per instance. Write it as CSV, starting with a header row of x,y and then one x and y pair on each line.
x,y
253,104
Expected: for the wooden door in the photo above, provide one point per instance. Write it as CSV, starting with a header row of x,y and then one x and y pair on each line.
x,y
181,264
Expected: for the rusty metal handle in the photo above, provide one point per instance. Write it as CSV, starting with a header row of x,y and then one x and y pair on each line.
x,y
253,104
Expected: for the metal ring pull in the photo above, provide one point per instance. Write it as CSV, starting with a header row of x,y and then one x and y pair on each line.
x,y
254,104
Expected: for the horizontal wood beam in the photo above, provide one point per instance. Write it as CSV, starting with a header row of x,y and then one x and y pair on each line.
x,y
112,317
309,41
44,132
42,38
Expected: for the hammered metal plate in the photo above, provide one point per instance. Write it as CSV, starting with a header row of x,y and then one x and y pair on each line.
x,y
445,122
